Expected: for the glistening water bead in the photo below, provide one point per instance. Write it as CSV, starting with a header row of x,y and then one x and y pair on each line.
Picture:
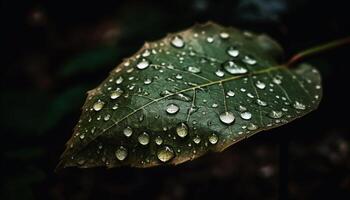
x,y
177,42
182,130
165,153
227,117
121,153
172,109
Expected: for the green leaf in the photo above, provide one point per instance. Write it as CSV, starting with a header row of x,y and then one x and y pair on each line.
x,y
195,91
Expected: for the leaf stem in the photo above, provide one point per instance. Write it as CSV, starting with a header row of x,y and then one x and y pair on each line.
x,y
318,49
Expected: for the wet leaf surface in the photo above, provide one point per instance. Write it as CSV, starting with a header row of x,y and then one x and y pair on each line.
x,y
195,91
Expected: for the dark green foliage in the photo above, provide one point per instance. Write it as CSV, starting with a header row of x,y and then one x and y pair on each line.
x,y
191,92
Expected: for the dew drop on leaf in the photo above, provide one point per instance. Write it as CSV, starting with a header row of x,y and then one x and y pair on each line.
x,y
227,117
143,138
213,138
142,64
246,115
299,106
177,42
231,51
172,109
121,153
127,131
98,105
182,130
233,68
165,154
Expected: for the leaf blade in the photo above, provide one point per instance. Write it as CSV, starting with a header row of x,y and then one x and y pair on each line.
x,y
223,89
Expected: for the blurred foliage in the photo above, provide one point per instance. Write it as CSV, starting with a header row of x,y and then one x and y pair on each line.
x,y
54,51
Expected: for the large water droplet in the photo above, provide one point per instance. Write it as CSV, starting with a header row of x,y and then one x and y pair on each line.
x,y
246,115
116,93
182,130
121,153
224,35
143,64
127,131
98,105
172,108
143,138
177,41
165,153
299,106
231,51
213,138
193,69
233,68
227,117
260,85
275,114
249,60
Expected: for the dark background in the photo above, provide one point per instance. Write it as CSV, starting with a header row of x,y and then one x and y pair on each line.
x,y
54,51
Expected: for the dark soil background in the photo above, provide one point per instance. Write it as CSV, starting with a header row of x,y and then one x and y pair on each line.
x,y
54,51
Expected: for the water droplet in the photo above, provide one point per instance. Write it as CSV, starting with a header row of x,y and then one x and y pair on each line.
x,y
143,64
224,35
252,127
277,81
178,76
158,140
115,106
246,115
193,69
230,93
213,138
177,41
249,60
214,105
165,153
81,162
275,114
143,138
127,131
241,108
227,117
116,93
98,105
299,106
107,117
250,95
318,87
231,51
182,130
172,108
260,85
121,153
119,80
232,68
261,102
210,39
243,90
146,53
219,73
197,139
82,136
147,81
